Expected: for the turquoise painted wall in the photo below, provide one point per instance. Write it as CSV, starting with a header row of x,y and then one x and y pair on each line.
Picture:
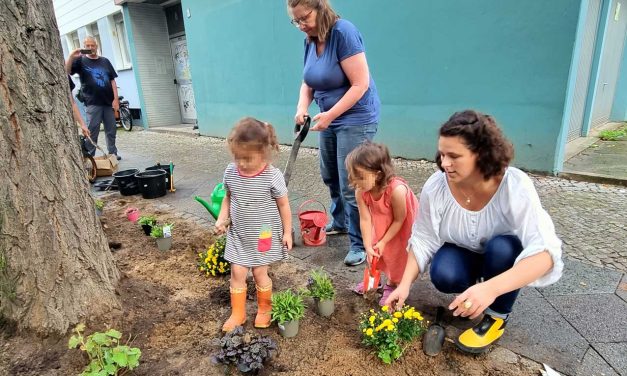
x,y
619,108
428,59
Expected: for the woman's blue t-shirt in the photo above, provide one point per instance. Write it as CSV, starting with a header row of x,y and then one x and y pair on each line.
x,y
328,81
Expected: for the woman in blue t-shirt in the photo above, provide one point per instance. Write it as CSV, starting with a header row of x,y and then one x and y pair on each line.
x,y
336,76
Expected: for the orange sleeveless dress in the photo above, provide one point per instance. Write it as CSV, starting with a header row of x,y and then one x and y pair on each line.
x,y
394,258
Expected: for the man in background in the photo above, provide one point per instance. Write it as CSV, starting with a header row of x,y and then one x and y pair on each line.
x,y
99,91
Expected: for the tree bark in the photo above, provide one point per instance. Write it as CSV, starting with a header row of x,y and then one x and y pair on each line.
x,y
50,238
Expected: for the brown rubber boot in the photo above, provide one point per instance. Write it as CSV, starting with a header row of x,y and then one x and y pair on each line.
x,y
264,306
238,309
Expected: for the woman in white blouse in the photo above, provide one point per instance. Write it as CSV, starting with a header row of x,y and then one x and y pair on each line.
x,y
482,226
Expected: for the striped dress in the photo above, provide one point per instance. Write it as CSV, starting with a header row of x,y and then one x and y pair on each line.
x,y
255,237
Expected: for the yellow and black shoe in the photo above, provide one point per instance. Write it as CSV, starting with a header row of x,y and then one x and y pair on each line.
x,y
480,337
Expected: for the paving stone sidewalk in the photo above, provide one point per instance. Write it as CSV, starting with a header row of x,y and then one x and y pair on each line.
x,y
576,326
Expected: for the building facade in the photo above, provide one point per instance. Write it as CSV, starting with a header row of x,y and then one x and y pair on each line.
x,y
549,72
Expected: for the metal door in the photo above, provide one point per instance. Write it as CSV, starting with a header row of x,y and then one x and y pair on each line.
x,y
183,79
580,93
609,63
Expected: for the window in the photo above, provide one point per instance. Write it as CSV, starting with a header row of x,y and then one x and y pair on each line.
x,y
120,43
72,41
92,29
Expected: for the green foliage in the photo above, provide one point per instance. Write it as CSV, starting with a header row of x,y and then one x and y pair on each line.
x,y
319,285
615,134
212,262
157,230
389,333
247,352
148,220
99,204
106,355
287,306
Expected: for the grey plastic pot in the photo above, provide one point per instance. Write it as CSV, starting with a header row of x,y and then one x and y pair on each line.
x,y
164,243
289,328
325,307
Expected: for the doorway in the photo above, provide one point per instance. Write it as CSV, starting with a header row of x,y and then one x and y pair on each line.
x,y
180,59
609,65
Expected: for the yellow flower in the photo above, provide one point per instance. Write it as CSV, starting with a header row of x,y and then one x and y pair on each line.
x,y
369,331
364,330
385,308
395,320
371,319
379,328
390,328
418,316
398,314
386,322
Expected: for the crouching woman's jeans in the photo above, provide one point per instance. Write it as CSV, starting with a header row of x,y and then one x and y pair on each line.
x,y
454,269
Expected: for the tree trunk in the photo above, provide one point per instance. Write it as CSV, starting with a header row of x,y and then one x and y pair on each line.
x,y
55,264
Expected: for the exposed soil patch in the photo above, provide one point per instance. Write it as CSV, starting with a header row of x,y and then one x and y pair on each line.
x,y
173,313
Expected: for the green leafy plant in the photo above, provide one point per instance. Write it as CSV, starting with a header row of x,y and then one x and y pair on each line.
x,y
99,204
212,262
157,230
389,333
106,355
319,285
613,135
287,306
147,220
248,352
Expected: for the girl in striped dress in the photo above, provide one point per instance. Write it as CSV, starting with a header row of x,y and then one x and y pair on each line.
x,y
256,216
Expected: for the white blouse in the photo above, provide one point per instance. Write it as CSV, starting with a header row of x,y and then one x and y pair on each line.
x,y
515,209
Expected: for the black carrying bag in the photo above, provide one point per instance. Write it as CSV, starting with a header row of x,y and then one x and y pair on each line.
x,y
79,95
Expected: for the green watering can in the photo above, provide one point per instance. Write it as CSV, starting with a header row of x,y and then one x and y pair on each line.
x,y
218,194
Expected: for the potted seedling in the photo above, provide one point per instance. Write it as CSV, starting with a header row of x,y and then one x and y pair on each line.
x,y
320,288
287,309
163,235
146,222
99,205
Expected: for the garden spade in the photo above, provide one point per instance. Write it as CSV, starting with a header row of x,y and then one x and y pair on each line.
x,y
300,132
371,276
434,338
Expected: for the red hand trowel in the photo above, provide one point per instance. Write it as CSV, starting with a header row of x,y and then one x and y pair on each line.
x,y
371,276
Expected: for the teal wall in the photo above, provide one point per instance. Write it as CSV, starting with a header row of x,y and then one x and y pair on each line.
x,y
428,58
619,108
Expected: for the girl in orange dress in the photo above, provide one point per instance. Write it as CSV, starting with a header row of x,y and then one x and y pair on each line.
x,y
387,209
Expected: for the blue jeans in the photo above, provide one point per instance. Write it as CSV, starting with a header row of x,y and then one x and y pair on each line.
x,y
335,144
95,116
454,269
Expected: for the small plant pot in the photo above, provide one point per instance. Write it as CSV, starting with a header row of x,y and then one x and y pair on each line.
x,y
132,214
325,307
99,212
164,244
288,329
147,229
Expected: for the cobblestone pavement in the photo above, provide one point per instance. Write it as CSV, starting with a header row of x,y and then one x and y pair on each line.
x,y
589,217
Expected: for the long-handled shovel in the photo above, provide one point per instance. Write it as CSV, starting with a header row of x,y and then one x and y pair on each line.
x,y
300,132
372,276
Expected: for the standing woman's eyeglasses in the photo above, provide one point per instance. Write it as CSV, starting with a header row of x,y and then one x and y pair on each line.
x,y
300,21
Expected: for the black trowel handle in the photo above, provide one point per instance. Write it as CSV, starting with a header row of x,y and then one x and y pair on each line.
x,y
301,131
438,315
